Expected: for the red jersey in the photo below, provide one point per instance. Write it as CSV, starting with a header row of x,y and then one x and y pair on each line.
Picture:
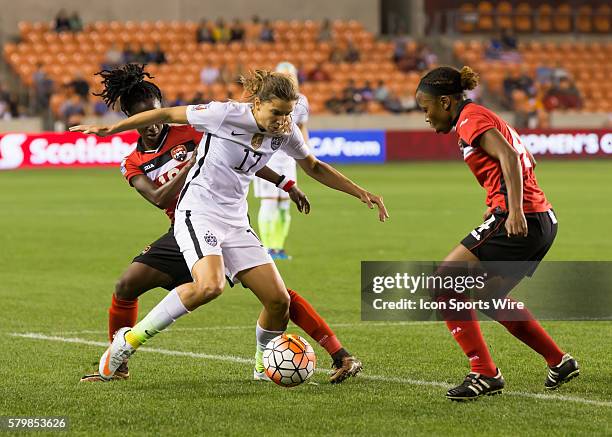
x,y
473,121
176,146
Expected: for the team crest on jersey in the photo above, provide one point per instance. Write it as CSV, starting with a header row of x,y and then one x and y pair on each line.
x,y
210,239
179,152
277,142
145,250
257,141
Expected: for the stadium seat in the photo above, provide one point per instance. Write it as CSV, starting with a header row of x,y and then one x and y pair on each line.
x,y
601,22
584,19
544,20
485,16
504,15
467,18
563,18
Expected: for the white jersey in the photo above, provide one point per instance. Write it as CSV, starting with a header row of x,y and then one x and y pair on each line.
x,y
299,115
232,150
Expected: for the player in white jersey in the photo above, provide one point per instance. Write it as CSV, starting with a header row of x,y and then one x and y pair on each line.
x,y
274,216
211,224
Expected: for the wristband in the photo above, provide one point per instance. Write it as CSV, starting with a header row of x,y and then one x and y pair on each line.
x,y
287,186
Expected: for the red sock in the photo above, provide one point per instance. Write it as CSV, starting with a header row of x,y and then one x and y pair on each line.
x,y
527,329
304,315
467,333
121,313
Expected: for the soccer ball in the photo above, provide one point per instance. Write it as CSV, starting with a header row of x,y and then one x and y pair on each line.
x,y
289,360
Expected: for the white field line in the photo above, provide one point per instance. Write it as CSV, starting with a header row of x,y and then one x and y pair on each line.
x,y
252,327
234,359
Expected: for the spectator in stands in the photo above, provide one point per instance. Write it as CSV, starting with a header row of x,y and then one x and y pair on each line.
x,y
367,93
62,21
80,86
517,80
220,32
113,58
426,59
180,100
336,55
325,34
393,104
203,33
209,74
72,110
75,22
381,92
157,56
410,61
267,32
334,104
318,74
237,31
408,102
302,74
131,53
42,88
562,96
351,54
8,107
503,48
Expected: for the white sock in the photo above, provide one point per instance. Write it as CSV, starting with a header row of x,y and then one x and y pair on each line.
x,y
159,318
264,336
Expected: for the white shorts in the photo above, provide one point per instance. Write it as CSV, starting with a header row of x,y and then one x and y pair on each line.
x,y
198,235
264,188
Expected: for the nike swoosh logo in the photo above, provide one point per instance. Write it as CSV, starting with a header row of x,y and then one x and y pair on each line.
x,y
236,134
463,122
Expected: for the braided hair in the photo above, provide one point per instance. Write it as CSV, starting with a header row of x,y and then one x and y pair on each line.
x,y
127,85
448,81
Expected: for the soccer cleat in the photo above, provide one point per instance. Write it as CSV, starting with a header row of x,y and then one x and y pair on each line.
x,y
121,373
344,368
261,376
475,386
567,370
119,351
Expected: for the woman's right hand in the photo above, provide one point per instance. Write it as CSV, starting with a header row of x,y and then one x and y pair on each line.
x,y
100,131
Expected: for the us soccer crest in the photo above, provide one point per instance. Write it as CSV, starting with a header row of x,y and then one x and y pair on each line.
x,y
277,142
210,239
257,141
179,153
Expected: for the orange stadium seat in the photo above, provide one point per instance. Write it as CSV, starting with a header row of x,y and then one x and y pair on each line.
x,y
485,16
544,18
504,15
563,18
584,19
601,22
522,18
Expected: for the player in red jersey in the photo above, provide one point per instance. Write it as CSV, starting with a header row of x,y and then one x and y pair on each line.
x,y
520,224
157,169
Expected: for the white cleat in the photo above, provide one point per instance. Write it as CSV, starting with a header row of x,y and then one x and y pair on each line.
x,y
119,351
260,376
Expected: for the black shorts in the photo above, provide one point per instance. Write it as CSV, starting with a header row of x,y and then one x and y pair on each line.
x,y
490,242
165,255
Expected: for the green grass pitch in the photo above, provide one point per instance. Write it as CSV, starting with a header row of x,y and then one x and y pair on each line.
x,y
67,235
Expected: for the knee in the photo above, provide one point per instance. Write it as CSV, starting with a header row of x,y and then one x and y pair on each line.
x,y
279,304
126,288
209,289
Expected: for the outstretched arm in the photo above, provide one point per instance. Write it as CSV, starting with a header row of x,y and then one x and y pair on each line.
x,y
176,114
329,176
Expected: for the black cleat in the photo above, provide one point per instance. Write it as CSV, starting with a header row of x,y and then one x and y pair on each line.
x,y
567,370
476,385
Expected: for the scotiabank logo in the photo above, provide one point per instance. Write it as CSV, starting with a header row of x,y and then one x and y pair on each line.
x,y
11,152
63,150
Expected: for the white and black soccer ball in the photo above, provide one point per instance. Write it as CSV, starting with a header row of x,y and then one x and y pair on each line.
x,y
289,360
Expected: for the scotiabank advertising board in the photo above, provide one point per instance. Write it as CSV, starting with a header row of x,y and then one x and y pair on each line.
x,y
70,149
558,143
